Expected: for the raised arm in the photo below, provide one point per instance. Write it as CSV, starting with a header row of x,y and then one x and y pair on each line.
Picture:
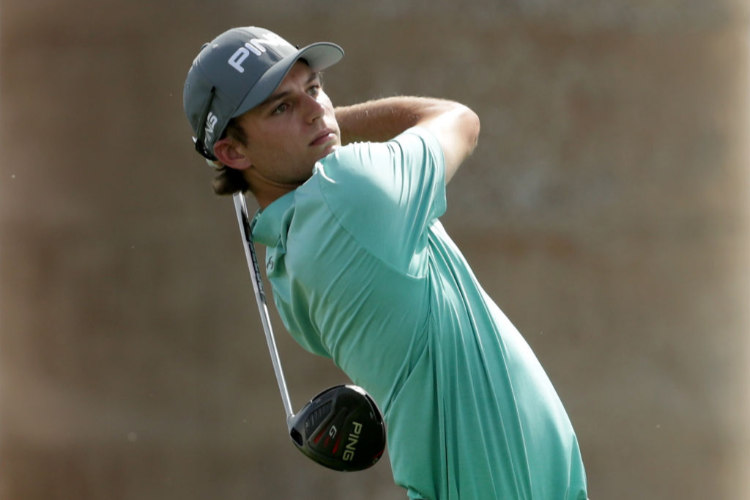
x,y
455,126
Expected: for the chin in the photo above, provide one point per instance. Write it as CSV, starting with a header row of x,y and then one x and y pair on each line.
x,y
323,154
331,148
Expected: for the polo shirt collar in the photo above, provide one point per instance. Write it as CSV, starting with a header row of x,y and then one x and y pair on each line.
x,y
267,223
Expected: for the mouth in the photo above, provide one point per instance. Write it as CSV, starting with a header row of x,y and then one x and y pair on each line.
x,y
324,137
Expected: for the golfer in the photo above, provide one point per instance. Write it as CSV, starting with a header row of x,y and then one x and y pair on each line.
x,y
364,273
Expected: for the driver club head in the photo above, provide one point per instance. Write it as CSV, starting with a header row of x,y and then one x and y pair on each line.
x,y
341,428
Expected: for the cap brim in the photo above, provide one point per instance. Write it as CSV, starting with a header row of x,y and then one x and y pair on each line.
x,y
319,56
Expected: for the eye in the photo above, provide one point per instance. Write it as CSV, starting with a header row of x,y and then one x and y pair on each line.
x,y
314,90
280,108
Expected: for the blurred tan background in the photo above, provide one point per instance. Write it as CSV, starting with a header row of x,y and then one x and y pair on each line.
x,y
605,210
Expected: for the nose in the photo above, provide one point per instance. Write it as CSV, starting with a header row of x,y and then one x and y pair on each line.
x,y
314,109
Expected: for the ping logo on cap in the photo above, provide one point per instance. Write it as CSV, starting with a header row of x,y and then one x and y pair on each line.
x,y
211,121
255,46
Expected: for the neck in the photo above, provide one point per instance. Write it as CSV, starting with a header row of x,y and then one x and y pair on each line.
x,y
267,197
267,191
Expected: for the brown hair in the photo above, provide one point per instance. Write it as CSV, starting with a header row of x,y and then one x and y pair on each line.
x,y
228,181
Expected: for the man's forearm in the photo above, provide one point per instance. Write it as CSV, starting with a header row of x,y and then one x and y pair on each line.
x,y
384,119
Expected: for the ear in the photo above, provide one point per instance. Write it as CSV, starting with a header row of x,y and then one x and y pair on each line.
x,y
228,153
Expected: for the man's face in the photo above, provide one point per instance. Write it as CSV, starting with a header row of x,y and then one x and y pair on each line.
x,y
290,131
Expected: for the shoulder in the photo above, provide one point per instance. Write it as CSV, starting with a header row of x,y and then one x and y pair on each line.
x,y
382,195
371,160
420,138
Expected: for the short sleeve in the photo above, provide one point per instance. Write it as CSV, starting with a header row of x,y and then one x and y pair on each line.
x,y
386,195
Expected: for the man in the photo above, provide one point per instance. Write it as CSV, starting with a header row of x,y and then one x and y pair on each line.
x,y
364,273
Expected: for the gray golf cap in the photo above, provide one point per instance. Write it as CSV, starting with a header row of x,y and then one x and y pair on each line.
x,y
237,71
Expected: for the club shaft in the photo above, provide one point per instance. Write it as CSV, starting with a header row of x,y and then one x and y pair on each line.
x,y
252,263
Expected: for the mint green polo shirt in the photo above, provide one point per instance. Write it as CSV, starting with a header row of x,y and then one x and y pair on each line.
x,y
363,273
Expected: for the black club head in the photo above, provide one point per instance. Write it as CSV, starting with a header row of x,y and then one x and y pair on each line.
x,y
341,428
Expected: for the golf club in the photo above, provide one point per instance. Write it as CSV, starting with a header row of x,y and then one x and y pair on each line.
x,y
342,427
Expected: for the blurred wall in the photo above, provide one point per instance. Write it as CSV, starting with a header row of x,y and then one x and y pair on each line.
x,y
605,209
